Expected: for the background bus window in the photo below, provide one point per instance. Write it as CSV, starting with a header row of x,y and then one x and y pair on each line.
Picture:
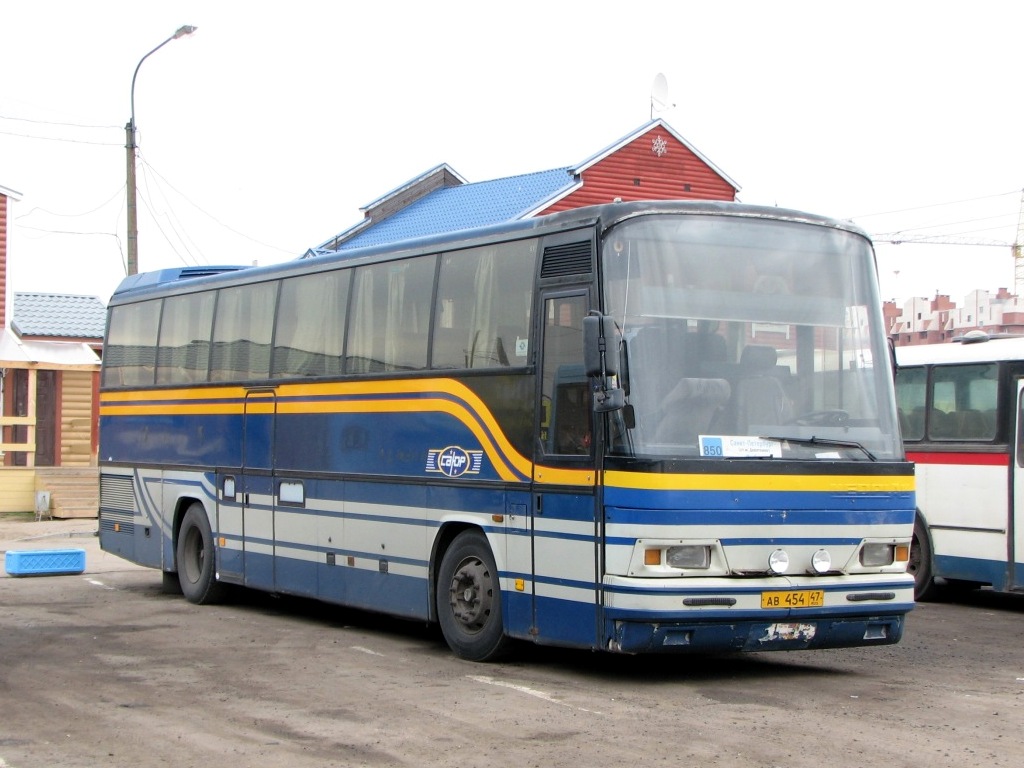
x,y
566,416
911,391
1020,429
964,399
129,355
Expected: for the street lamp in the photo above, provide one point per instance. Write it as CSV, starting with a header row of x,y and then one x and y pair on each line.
x,y
129,130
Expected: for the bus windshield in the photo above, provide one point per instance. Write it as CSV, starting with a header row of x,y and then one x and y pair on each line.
x,y
758,341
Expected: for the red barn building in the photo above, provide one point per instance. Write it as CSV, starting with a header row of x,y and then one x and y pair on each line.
x,y
652,163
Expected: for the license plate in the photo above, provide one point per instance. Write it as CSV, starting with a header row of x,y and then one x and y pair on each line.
x,y
801,598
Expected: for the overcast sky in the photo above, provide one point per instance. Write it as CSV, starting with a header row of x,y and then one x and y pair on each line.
x,y
263,133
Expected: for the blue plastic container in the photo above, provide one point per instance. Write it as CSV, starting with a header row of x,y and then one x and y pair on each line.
x,y
44,562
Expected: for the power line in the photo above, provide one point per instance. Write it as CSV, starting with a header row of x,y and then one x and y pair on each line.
x,y
935,205
67,141
955,223
104,204
63,125
211,216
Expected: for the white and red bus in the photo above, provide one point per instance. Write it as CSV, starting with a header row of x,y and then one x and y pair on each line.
x,y
960,407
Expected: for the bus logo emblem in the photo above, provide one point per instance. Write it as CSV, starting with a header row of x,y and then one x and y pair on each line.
x,y
454,461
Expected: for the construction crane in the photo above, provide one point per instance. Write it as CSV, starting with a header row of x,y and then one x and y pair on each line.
x,y
1016,247
1018,253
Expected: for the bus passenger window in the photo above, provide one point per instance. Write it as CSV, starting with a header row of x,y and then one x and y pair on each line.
x,y
183,356
484,297
130,351
310,335
910,400
242,330
964,402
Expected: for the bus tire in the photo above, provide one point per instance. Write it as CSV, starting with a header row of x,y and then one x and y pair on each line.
x,y
197,559
468,599
920,564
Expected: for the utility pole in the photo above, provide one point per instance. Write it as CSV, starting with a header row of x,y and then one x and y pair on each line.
x,y
129,145
133,222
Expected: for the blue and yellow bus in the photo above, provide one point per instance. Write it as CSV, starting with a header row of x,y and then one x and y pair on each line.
x,y
637,427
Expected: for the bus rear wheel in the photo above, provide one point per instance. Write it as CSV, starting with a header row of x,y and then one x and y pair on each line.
x,y
469,600
197,559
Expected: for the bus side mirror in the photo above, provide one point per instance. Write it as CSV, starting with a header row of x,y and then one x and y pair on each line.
x,y
600,350
601,360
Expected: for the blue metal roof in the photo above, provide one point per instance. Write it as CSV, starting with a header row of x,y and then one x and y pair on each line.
x,y
60,315
466,206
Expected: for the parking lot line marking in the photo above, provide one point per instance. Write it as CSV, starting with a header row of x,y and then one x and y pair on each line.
x,y
96,583
361,649
544,695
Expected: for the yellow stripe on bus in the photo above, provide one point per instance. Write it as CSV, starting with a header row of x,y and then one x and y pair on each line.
x,y
709,482
505,459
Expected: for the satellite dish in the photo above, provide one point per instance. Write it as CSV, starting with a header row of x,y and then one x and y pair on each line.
x,y
659,95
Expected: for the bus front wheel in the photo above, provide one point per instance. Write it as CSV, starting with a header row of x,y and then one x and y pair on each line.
x,y
469,599
196,558
920,564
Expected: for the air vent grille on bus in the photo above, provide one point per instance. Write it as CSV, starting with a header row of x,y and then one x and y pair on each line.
x,y
187,273
568,259
117,493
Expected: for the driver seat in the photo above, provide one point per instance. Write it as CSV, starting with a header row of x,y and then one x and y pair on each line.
x,y
760,398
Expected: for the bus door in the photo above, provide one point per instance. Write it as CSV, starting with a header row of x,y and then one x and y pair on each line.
x,y
565,526
1015,532
257,488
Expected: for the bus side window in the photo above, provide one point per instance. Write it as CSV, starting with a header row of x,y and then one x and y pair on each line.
x,y
566,426
130,352
962,398
483,305
910,397
1020,428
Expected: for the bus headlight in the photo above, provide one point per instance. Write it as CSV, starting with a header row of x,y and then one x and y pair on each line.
x,y
876,555
778,561
689,556
821,561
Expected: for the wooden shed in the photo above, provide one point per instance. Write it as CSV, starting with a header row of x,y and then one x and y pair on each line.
x,y
49,377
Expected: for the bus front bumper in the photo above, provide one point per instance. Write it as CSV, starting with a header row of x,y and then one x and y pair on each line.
x,y
789,634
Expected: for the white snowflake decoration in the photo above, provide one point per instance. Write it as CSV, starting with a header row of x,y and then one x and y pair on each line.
x,y
659,146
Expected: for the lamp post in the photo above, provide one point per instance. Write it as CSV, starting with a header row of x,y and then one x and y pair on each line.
x,y
129,130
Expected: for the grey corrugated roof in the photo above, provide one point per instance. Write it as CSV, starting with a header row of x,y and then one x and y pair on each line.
x,y
59,315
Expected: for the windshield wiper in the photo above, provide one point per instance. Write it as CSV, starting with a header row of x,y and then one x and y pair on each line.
x,y
822,441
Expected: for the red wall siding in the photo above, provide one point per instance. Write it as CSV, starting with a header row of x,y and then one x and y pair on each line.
x,y
636,172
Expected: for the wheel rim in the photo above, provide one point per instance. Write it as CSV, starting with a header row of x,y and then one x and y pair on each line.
x,y
471,594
